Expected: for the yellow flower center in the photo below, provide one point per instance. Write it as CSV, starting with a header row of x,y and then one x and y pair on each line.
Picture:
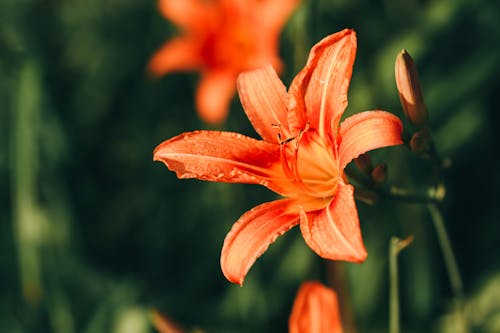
x,y
312,164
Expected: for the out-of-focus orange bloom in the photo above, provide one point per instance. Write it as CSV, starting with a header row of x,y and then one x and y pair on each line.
x,y
221,38
315,310
302,157
164,324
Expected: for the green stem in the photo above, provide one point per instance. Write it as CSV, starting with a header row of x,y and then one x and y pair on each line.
x,y
394,290
450,262
397,245
337,279
433,195
449,258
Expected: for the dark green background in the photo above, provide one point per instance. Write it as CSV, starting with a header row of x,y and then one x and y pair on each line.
x,y
93,234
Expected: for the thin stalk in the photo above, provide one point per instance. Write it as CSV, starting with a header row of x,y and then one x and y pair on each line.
x,y
394,288
337,279
450,262
448,255
397,245
433,195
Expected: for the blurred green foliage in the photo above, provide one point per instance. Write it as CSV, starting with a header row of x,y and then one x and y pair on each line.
x,y
93,234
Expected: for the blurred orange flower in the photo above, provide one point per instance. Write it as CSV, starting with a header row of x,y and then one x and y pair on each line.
x,y
302,157
221,38
315,310
165,324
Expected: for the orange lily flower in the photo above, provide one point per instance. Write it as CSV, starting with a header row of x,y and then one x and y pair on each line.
x,y
221,38
315,310
302,157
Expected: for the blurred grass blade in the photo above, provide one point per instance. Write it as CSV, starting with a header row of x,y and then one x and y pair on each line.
x,y
24,158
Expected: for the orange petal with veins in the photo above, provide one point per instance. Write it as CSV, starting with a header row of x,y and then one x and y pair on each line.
x,y
321,87
252,234
366,131
264,99
334,232
223,157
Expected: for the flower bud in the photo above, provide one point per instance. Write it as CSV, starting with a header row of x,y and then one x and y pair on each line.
x,y
410,92
421,142
367,196
379,173
364,163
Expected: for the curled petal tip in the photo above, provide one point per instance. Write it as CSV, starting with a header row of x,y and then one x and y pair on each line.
x,y
366,131
334,233
358,257
233,278
252,234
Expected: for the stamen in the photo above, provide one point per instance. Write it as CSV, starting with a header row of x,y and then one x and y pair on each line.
x,y
289,154
282,142
284,162
295,168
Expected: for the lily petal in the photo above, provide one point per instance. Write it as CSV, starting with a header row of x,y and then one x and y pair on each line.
x,y
274,14
252,234
236,7
324,81
264,99
187,14
334,232
315,309
326,96
223,157
215,91
179,54
366,131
